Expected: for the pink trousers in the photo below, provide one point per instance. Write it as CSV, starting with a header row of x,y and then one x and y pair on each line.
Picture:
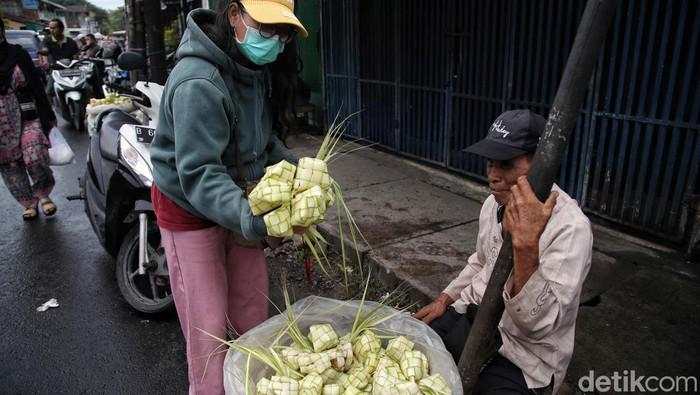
x,y
217,286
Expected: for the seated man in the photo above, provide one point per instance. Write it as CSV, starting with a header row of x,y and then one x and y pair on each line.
x,y
552,246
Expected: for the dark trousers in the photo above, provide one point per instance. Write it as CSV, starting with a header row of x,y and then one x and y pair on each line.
x,y
500,376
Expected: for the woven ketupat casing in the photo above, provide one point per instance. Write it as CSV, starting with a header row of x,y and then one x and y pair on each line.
x,y
371,361
332,389
414,365
383,380
310,172
274,189
291,357
366,343
323,337
282,171
330,375
407,388
397,347
343,358
284,385
351,390
279,222
358,379
317,363
434,385
263,387
312,384
309,207
268,195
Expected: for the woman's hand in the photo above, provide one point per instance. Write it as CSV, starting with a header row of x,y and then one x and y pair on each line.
x,y
298,230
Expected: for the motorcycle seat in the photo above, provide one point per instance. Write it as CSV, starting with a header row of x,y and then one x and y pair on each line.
x,y
108,124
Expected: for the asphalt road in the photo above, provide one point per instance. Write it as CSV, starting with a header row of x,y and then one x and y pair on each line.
x,y
94,342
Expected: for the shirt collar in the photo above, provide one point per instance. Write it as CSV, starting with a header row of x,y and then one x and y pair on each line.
x,y
63,40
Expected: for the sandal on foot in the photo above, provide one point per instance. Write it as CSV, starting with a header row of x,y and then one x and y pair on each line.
x,y
48,207
29,214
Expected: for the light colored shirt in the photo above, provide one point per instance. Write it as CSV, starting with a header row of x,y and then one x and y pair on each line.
x,y
538,323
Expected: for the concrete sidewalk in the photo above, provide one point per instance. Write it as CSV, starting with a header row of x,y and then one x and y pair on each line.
x,y
642,301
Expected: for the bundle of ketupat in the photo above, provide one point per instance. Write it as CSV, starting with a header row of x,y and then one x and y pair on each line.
x,y
382,350
110,98
360,362
396,372
290,196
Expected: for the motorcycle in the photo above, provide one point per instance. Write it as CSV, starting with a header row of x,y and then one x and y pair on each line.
x,y
73,88
116,190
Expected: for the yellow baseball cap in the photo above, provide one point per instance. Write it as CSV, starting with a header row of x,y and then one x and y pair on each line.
x,y
273,12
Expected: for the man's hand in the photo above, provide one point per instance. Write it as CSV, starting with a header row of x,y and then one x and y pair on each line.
x,y
435,309
525,219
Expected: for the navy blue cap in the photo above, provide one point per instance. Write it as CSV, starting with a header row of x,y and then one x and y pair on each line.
x,y
512,134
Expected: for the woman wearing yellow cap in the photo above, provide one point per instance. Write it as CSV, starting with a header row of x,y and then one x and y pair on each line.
x,y
214,139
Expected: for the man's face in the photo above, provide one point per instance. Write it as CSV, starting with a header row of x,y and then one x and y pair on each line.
x,y
89,41
55,29
504,174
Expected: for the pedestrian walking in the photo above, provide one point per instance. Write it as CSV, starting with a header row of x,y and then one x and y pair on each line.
x,y
26,118
213,142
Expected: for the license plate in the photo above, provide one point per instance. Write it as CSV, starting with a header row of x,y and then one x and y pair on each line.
x,y
144,134
71,73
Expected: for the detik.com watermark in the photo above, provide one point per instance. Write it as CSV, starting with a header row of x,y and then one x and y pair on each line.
x,y
629,381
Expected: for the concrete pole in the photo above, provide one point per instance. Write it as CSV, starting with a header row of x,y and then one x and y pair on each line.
x,y
136,33
155,41
545,167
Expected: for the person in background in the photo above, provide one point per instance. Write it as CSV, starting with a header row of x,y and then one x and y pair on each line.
x,y
214,139
57,46
91,49
26,118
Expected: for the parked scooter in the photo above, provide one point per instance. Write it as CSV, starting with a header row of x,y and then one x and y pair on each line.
x,y
116,189
73,89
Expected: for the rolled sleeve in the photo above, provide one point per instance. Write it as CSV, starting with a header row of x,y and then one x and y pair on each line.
x,y
455,287
555,286
535,308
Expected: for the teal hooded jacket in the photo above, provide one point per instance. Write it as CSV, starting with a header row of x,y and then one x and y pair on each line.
x,y
208,98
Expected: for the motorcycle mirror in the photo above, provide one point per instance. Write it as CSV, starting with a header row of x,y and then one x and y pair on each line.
x,y
131,61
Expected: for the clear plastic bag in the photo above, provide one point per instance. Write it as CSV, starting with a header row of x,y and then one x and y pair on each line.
x,y
340,314
60,153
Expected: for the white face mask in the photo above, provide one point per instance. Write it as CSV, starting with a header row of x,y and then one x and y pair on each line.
x,y
258,49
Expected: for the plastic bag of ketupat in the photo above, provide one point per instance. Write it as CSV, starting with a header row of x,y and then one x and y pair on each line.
x,y
340,314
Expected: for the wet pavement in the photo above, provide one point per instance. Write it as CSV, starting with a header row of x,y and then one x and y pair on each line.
x,y
94,342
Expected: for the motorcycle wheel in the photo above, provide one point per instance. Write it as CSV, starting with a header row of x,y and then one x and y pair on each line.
x,y
148,293
78,112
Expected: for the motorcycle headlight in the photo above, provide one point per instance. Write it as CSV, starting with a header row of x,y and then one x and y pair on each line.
x,y
135,161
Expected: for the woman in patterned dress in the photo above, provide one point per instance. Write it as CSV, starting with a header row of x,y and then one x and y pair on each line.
x,y
26,117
